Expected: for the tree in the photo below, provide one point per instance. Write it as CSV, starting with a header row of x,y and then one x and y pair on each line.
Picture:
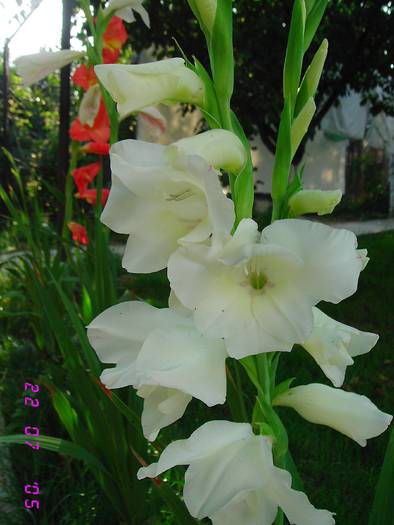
x,y
360,56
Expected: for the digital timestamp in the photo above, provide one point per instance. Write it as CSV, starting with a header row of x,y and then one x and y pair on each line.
x,y
31,402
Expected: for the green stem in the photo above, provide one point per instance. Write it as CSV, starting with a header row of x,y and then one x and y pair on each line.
x,y
68,192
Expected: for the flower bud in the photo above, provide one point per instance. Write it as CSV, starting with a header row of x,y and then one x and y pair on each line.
x,y
206,10
135,87
314,201
222,149
351,414
33,68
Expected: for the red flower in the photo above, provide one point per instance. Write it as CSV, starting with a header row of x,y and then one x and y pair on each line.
x,y
99,132
85,175
97,148
110,56
90,195
79,233
115,35
84,76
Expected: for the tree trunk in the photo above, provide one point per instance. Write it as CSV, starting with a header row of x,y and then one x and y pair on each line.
x,y
6,139
64,108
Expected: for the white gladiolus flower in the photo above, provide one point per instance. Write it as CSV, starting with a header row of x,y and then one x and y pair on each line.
x,y
351,414
231,478
332,345
137,86
161,197
33,68
90,105
124,10
257,290
161,354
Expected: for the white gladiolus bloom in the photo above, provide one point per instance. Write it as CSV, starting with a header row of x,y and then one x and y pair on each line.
x,y
33,68
231,478
333,345
124,10
161,197
351,414
90,105
161,354
257,290
137,86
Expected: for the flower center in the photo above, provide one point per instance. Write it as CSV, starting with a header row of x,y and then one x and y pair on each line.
x,y
255,274
257,280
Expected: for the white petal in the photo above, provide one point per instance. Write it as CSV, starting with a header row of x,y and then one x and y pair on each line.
x,y
162,407
118,333
222,149
33,68
251,508
295,504
333,344
351,414
149,248
90,105
181,358
211,483
135,87
332,265
240,245
205,441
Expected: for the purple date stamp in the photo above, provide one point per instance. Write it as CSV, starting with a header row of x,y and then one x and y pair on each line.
x,y
31,402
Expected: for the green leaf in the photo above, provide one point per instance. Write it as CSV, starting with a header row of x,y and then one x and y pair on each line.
x,y
313,21
294,54
312,77
282,387
382,512
301,124
61,446
222,55
282,164
175,504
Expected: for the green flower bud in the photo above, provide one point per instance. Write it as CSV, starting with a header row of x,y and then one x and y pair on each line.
x,y
314,201
206,10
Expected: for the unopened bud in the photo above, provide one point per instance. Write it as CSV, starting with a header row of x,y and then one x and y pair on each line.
x,y
314,201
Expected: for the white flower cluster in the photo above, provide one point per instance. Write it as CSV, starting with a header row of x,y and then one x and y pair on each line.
x,y
232,296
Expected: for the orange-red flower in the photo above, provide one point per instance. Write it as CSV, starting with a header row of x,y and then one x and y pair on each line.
x,y
97,148
85,175
110,56
84,76
79,233
99,132
90,195
115,35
